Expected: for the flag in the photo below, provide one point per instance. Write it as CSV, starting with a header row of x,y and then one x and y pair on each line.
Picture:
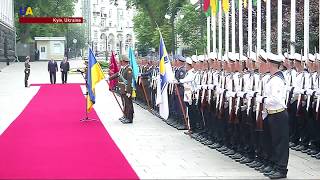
x,y
206,5
94,75
245,3
113,69
214,6
165,76
254,3
208,12
225,6
135,71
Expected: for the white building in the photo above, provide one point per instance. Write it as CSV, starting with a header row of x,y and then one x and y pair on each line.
x,y
111,26
7,30
50,47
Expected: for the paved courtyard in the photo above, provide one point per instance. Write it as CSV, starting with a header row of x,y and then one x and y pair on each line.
x,y
154,149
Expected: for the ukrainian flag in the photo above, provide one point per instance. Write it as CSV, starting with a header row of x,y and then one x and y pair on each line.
x,y
94,75
135,71
165,76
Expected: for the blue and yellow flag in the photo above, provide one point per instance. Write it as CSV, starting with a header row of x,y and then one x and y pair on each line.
x,y
166,76
94,75
135,71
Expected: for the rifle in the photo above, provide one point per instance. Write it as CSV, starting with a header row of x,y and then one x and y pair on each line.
x,y
259,118
317,107
300,99
209,90
250,99
204,82
222,98
198,80
232,104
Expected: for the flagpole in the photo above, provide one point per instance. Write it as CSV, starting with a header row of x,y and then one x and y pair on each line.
x,y
233,19
181,106
227,31
214,33
306,27
208,34
268,26
279,26
258,26
250,25
86,118
293,27
220,27
240,29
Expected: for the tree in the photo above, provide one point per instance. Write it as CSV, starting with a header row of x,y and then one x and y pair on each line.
x,y
150,14
54,8
189,29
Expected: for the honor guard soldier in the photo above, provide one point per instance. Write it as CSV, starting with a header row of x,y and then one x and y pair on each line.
x,y
125,86
26,71
180,73
189,88
276,115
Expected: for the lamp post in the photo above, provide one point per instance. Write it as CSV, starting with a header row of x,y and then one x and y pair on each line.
x,y
75,42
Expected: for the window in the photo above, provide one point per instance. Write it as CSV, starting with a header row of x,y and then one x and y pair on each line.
x,y
57,48
95,34
43,49
110,24
110,13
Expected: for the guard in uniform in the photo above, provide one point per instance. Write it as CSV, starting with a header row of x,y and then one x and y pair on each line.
x,y
125,86
277,117
26,71
189,87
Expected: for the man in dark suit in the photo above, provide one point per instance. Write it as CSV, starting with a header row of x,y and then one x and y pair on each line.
x,y
52,69
64,67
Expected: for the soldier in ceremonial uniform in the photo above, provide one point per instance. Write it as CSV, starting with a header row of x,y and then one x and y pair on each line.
x,y
180,72
277,118
26,71
125,85
189,87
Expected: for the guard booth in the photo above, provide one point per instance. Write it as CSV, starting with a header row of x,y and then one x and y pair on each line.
x,y
50,47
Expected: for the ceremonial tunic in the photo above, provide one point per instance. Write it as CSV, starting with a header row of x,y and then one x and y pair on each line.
x,y
274,103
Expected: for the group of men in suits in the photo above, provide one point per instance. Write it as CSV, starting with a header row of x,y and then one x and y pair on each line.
x,y
53,69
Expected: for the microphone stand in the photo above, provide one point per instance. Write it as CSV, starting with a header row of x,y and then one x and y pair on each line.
x,y
86,118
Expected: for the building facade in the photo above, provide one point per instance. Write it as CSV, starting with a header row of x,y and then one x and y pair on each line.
x,y
7,31
111,26
50,47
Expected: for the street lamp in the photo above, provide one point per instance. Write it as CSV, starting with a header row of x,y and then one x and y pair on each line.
x,y
75,42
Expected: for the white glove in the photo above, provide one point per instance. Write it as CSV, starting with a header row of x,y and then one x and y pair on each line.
x,y
309,91
210,86
219,90
198,86
231,94
128,95
204,86
107,78
240,94
259,99
250,94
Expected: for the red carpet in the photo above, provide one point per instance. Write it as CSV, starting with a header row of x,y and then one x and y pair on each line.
x,y
47,141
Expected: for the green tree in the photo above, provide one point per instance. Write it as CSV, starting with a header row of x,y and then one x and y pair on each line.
x,y
54,8
189,29
152,13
